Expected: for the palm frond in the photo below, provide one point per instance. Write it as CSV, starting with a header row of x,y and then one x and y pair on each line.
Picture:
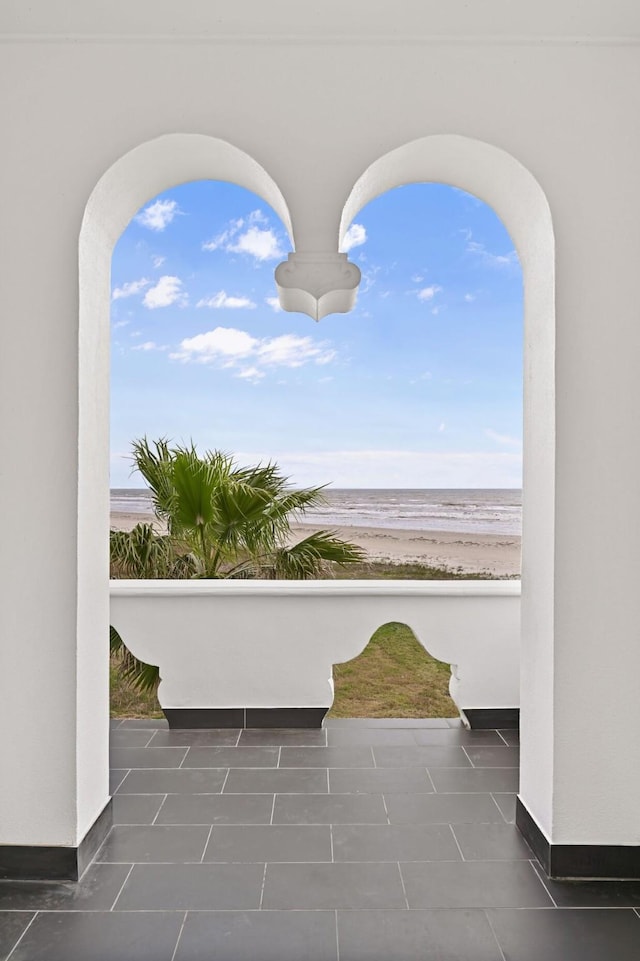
x,y
312,557
141,552
155,463
144,677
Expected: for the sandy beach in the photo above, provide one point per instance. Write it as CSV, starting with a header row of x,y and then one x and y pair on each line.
x,y
472,553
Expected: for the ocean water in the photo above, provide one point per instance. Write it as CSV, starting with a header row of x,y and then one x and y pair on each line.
x,y
477,511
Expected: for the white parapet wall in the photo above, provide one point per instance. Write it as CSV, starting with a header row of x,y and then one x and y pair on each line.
x,y
273,644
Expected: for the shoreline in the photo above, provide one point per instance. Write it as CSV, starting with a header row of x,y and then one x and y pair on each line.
x,y
497,554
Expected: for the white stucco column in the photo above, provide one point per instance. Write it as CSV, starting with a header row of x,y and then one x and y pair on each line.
x,y
54,711
580,709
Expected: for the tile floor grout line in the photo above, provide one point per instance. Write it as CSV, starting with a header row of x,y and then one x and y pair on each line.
x,y
375,763
279,756
498,806
206,844
183,759
35,914
337,938
127,773
159,809
264,880
175,950
333,860
433,783
533,862
384,804
273,807
467,756
495,936
457,842
153,734
122,888
404,890
500,735
224,783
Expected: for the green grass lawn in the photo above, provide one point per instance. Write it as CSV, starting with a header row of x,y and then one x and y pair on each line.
x,y
393,677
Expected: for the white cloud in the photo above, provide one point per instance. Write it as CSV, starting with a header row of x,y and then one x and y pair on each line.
x,y
469,298
396,468
148,345
129,289
487,258
504,439
441,428
355,236
223,238
428,293
369,278
222,299
229,347
167,291
261,243
223,343
274,303
251,374
158,215
258,243
158,261
417,279
290,350
120,323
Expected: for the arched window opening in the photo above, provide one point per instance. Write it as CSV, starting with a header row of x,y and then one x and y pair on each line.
x,y
439,422
409,409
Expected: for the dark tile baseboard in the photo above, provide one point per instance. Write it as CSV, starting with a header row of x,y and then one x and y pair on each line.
x,y
579,861
180,718
487,718
285,716
240,717
43,863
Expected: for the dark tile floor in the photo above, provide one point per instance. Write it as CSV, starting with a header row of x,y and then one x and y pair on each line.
x,y
365,841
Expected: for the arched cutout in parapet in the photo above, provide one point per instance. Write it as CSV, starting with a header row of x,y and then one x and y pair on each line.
x,y
394,676
128,699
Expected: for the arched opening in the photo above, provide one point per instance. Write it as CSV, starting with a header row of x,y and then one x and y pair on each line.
x,y
120,194
477,168
172,229
518,199
393,677
135,178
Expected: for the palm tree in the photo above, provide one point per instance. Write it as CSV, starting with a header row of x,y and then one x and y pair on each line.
x,y
221,521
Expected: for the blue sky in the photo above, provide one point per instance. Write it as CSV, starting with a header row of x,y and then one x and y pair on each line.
x,y
419,386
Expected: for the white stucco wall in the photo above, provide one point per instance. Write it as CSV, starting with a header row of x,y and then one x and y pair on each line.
x,y
315,97
274,643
